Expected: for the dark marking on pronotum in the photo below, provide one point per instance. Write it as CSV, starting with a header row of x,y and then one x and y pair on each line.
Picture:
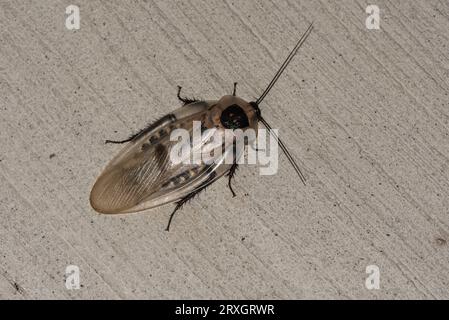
x,y
233,117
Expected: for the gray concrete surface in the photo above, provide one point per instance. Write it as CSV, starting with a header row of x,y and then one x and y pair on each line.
x,y
366,112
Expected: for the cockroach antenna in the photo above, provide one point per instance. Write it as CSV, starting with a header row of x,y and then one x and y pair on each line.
x,y
143,175
269,87
285,64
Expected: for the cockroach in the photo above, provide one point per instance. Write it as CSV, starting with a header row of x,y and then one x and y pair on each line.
x,y
142,175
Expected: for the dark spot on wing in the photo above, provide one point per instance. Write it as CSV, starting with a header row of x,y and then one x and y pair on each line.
x,y
184,176
162,133
160,152
153,139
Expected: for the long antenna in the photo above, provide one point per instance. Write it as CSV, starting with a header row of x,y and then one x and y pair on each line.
x,y
285,150
286,62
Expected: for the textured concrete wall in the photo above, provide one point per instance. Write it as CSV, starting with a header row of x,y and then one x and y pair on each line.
x,y
365,112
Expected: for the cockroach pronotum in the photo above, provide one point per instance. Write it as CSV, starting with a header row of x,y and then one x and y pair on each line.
x,y
143,176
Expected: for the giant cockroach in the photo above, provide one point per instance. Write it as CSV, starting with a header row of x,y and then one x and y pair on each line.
x,y
143,176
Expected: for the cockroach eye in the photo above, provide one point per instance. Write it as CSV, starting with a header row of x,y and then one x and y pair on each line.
x,y
233,117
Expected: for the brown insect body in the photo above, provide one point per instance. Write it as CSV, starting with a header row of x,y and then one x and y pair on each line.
x,y
143,175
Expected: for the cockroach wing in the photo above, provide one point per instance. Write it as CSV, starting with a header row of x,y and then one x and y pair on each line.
x,y
143,174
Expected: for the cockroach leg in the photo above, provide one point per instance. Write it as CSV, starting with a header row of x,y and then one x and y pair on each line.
x,y
131,138
183,201
185,101
119,141
235,89
179,204
231,175
167,119
189,197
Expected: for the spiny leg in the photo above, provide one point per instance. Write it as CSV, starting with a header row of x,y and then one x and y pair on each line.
x,y
231,175
235,89
184,100
165,120
120,141
189,197
131,138
179,204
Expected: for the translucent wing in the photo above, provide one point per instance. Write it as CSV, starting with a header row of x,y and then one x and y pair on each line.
x,y
143,174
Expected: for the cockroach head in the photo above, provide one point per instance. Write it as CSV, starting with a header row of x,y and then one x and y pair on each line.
x,y
232,112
